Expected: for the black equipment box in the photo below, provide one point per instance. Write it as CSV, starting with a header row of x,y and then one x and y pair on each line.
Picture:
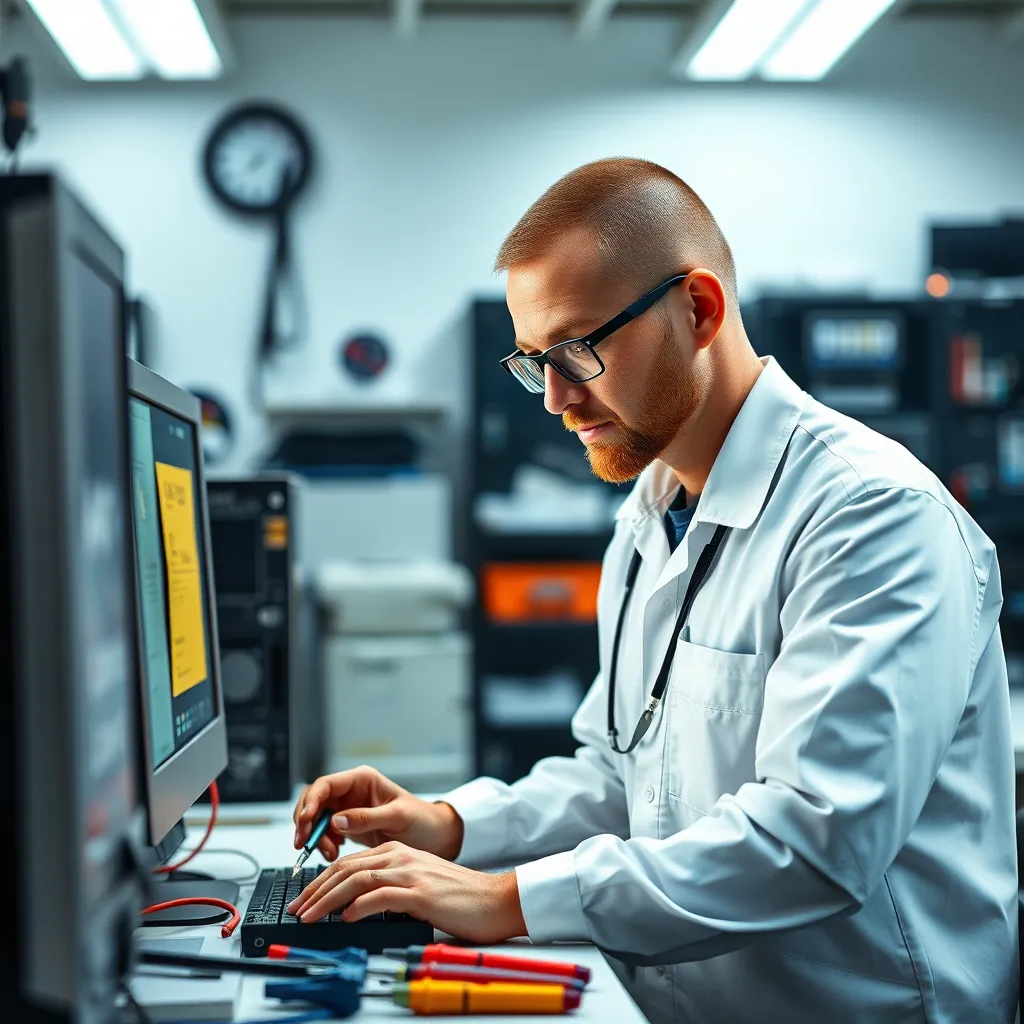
x,y
252,529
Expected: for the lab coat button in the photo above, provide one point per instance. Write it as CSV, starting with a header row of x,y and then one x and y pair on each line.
x,y
649,793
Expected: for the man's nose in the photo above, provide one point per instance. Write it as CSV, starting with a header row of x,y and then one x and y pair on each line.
x,y
559,393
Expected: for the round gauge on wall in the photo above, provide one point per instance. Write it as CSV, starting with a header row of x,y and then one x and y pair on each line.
x,y
258,157
365,356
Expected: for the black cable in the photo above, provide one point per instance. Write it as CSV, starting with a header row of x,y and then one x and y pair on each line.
x,y
238,879
281,281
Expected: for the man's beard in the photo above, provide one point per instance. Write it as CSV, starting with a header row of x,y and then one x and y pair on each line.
x,y
673,394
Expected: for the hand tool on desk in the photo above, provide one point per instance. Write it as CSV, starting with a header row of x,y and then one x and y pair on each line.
x,y
276,951
314,837
226,964
477,975
441,972
429,997
439,953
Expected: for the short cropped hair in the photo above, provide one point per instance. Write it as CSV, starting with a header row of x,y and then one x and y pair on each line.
x,y
647,222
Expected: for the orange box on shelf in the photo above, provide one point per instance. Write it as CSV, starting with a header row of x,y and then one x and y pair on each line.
x,y
520,592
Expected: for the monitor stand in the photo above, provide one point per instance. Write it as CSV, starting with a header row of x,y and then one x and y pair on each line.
x,y
180,885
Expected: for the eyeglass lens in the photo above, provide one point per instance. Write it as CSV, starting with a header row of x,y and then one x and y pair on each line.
x,y
576,360
528,373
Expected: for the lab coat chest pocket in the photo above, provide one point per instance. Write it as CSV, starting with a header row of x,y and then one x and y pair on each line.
x,y
715,700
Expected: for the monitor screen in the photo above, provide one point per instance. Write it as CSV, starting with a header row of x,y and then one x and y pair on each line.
x,y
856,342
175,617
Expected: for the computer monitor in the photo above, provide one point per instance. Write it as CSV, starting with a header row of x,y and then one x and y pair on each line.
x,y
182,710
68,795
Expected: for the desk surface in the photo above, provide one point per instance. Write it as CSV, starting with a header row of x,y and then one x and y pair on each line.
x,y
270,843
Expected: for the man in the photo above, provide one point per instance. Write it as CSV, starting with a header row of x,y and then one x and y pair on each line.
x,y
813,819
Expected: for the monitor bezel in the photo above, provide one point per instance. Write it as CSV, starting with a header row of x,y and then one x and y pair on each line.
x,y
50,976
175,785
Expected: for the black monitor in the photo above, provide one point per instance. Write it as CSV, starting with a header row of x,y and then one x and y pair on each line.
x,y
68,793
184,739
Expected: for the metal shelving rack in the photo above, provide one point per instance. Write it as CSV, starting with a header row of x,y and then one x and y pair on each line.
x,y
965,422
510,428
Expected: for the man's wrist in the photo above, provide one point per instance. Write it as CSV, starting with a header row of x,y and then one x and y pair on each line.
x,y
510,908
453,831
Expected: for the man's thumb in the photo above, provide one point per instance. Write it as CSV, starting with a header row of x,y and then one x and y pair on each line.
x,y
356,820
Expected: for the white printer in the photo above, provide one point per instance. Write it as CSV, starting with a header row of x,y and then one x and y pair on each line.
x,y
397,670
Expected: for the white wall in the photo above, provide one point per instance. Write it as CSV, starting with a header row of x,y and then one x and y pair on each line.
x,y
429,150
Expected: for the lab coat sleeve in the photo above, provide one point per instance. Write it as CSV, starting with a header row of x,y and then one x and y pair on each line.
x,y
563,800
882,623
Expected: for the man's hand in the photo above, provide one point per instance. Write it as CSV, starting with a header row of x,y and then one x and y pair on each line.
x,y
469,904
372,810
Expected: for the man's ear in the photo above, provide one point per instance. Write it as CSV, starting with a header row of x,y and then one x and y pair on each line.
x,y
708,305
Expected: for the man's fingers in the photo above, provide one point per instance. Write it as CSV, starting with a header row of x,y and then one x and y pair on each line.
x,y
346,892
315,797
334,876
328,791
332,791
298,805
355,821
341,890
328,848
397,899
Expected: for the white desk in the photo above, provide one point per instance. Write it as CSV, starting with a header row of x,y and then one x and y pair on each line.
x,y
605,1001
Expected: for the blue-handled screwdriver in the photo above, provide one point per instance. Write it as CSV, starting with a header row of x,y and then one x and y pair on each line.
x,y
314,837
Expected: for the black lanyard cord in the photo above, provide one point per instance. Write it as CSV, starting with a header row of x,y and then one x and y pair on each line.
x,y
631,574
697,578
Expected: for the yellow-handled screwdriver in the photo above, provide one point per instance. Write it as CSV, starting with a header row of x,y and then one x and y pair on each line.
x,y
430,996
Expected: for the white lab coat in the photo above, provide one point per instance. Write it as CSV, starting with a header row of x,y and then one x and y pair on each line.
x,y
819,824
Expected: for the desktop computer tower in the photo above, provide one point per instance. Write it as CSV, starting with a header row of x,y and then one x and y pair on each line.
x,y
259,599
69,800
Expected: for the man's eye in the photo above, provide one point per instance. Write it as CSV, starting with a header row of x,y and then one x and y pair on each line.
x,y
577,348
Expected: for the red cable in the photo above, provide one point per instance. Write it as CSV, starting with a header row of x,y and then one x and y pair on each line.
x,y
166,869
200,901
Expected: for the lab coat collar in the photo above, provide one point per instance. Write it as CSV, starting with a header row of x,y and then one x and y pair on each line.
x,y
746,465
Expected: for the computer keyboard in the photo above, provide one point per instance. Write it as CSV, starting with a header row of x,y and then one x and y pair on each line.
x,y
266,921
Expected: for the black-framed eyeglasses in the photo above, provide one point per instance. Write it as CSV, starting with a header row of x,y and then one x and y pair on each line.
x,y
576,359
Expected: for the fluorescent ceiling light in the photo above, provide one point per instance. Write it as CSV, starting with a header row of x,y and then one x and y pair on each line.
x,y
172,35
91,41
821,38
738,43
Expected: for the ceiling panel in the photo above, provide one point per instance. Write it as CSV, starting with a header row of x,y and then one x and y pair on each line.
x,y
979,8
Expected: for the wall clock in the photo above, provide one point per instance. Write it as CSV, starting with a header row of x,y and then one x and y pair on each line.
x,y
257,158
257,162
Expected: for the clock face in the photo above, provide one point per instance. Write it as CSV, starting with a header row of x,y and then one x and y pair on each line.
x,y
250,155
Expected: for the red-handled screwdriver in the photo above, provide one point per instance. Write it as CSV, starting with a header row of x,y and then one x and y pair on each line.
x,y
420,971
479,975
439,953
278,952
